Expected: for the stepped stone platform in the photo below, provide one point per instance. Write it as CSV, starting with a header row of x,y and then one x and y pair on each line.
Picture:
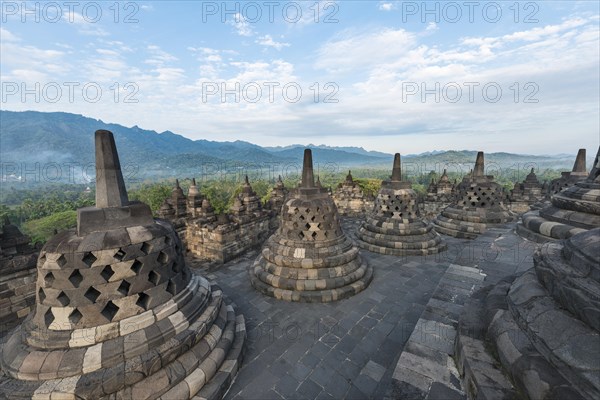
x,y
479,205
394,225
526,193
439,196
536,335
350,199
350,349
571,211
17,276
118,314
309,258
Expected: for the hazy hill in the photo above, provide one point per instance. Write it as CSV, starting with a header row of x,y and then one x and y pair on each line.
x,y
32,137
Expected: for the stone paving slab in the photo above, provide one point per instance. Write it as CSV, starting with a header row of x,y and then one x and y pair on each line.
x,y
350,348
426,367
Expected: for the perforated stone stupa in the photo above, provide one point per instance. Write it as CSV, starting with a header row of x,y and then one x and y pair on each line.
x,y
350,199
394,225
479,203
118,314
226,236
542,328
573,210
17,276
309,258
526,193
276,200
570,178
439,195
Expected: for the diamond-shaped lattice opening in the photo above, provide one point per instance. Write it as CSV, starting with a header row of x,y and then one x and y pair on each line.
x,y
302,217
41,295
63,299
76,278
176,267
143,301
314,235
49,279
137,266
163,258
124,288
307,226
107,273
89,258
301,235
119,255
110,310
92,294
61,261
313,218
75,317
48,317
171,287
154,277
146,248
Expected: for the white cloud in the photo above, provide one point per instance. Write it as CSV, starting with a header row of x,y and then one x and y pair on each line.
x,y
268,41
158,56
242,27
386,6
352,50
7,36
432,27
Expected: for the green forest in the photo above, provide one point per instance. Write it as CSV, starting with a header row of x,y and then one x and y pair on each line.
x,y
41,211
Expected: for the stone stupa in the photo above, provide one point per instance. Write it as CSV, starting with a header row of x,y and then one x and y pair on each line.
x,y
571,211
526,193
479,203
394,226
18,274
118,314
309,258
350,199
540,329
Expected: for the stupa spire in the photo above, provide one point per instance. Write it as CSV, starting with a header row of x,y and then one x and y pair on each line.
x,y
110,187
397,169
579,165
479,165
308,178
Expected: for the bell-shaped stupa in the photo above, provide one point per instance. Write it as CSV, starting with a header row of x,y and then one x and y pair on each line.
x,y
394,226
571,211
118,314
479,203
309,258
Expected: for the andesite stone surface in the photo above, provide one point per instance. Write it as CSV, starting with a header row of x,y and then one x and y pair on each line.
x,y
542,327
309,258
571,211
479,204
394,225
17,276
526,193
118,314
439,196
350,199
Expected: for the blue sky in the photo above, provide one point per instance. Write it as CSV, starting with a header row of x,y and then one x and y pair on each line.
x,y
389,76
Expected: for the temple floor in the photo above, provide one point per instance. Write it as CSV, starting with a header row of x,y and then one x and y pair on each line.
x,y
393,340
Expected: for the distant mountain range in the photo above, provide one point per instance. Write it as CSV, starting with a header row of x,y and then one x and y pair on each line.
x,y
30,137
